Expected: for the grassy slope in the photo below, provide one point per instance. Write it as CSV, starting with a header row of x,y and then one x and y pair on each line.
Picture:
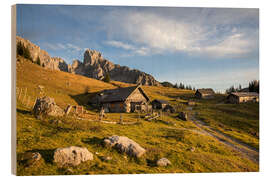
x,y
159,138
240,121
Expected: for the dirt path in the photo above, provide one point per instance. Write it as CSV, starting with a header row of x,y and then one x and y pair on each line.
x,y
246,150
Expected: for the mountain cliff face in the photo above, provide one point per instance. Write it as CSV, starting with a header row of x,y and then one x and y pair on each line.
x,y
93,66
48,62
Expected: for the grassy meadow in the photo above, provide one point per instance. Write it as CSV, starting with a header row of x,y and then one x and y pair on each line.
x,y
167,136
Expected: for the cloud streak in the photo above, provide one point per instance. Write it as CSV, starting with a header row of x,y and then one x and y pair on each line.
x,y
61,46
207,33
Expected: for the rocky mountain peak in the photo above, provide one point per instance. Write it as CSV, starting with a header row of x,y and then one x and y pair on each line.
x,y
92,57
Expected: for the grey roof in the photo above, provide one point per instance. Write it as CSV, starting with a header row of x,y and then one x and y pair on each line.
x,y
206,91
245,94
119,94
161,101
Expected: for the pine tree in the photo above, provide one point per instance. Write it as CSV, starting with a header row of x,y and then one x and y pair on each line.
x,y
107,78
26,53
38,60
20,49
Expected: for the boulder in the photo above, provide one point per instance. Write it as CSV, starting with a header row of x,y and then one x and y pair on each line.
x,y
29,158
163,162
46,106
183,116
125,145
106,158
71,156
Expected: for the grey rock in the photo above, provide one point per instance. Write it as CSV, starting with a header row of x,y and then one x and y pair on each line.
x,y
163,162
46,106
106,158
71,156
125,145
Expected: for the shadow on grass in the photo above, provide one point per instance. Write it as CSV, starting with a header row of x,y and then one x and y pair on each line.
x,y
84,100
151,163
93,141
47,154
23,111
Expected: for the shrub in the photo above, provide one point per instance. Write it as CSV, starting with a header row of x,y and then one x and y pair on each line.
x,y
23,51
20,49
38,61
107,78
86,90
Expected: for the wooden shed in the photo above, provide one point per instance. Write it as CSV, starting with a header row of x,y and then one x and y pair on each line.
x,y
128,99
204,93
242,97
159,104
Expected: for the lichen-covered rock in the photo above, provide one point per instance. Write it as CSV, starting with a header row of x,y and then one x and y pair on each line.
x,y
125,145
46,106
163,162
71,156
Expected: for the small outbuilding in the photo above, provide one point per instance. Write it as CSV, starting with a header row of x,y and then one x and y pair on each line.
x,y
159,104
205,93
242,97
128,99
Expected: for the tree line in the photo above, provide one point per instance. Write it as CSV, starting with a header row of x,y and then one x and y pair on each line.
x,y
24,52
253,86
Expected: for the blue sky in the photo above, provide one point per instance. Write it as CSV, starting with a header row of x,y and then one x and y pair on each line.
x,y
203,47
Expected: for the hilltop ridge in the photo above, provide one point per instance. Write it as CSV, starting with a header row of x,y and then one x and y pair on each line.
x,y
93,66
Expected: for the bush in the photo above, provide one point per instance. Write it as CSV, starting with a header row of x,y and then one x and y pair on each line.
x,y
86,90
107,78
38,60
20,49
23,51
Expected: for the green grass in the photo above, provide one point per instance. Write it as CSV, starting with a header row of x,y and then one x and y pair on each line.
x,y
167,137
240,121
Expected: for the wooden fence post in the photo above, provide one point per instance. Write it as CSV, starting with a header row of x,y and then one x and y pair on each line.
x,y
20,94
121,118
28,101
25,93
34,103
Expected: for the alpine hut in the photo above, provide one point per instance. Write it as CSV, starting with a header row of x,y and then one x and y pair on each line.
x,y
128,99
204,93
242,97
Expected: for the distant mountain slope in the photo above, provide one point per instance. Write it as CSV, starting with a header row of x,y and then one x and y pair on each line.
x,y
93,66
46,61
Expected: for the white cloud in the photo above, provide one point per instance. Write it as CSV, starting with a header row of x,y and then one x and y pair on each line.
x,y
135,50
214,35
60,46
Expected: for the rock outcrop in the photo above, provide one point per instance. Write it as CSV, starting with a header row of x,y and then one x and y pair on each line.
x,y
46,106
125,145
163,162
46,60
71,156
95,66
